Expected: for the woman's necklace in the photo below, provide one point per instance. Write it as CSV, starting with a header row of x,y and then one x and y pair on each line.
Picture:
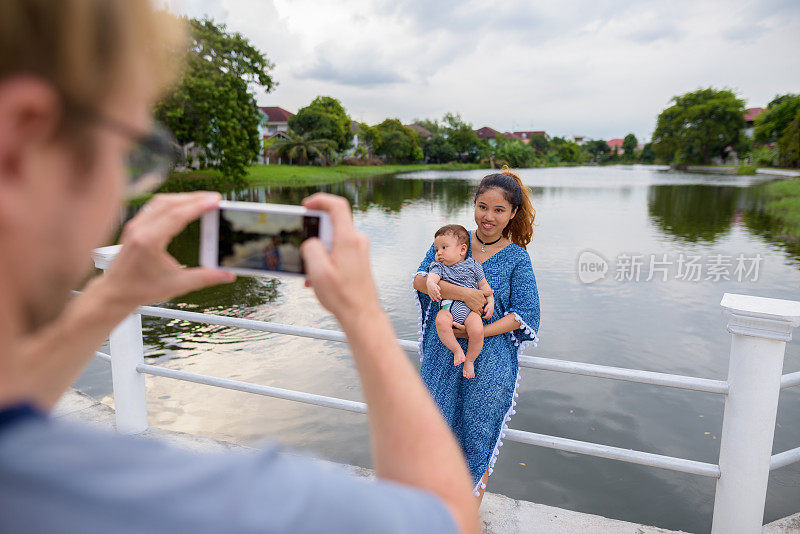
x,y
483,243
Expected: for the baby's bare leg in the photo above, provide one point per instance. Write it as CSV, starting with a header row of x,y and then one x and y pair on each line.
x,y
474,326
444,327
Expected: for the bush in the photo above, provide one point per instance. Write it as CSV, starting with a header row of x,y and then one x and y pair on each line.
x,y
362,162
783,204
763,156
179,182
515,154
437,149
746,169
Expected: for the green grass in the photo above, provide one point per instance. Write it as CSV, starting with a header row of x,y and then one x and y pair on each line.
x,y
783,205
295,175
744,169
290,176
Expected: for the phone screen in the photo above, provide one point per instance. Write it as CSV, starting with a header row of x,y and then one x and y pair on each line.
x,y
264,241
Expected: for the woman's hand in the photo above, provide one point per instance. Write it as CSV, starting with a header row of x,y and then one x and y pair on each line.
x,y
489,308
476,299
460,331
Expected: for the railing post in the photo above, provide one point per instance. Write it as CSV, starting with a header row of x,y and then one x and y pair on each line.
x,y
127,351
760,328
130,401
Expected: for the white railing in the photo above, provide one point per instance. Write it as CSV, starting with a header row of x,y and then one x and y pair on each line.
x,y
760,328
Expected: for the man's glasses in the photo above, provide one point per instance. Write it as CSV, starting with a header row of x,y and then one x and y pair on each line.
x,y
150,161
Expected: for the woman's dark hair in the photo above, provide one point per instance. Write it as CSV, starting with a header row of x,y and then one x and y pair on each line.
x,y
519,229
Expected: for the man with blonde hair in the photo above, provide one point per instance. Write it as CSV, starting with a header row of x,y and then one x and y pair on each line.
x,y
77,81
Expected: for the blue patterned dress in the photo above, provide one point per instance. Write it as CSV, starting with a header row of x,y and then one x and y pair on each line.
x,y
479,409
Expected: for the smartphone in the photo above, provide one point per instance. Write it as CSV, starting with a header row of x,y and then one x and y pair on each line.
x,y
251,239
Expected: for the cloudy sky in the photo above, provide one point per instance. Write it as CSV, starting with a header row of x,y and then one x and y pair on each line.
x,y
598,68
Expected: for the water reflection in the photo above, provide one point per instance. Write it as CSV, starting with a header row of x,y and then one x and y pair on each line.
x,y
767,227
694,213
390,195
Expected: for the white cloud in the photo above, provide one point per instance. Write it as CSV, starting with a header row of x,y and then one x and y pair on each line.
x,y
580,67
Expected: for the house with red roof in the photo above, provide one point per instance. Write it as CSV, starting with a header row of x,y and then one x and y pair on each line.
x,y
750,115
422,132
487,133
274,122
526,136
615,144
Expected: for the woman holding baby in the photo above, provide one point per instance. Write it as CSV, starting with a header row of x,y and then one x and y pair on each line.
x,y
479,407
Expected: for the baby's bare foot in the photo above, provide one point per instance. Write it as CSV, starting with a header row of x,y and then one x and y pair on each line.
x,y
469,369
458,357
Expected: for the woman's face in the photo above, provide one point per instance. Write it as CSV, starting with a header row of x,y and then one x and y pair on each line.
x,y
492,213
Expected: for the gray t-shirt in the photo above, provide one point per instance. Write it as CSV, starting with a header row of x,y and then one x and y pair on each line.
x,y
467,273
64,477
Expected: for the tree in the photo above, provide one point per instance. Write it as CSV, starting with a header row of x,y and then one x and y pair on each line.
x,y
303,148
598,149
432,125
437,149
570,152
515,153
771,123
368,135
539,143
211,105
463,138
565,151
629,146
324,118
395,142
647,155
776,125
698,126
789,143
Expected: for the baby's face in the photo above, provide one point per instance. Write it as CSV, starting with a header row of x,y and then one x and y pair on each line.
x,y
448,251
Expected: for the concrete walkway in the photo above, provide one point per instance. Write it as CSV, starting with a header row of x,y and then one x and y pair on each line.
x,y
500,514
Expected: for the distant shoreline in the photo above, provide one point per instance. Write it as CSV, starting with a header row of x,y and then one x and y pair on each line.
x,y
739,169
309,175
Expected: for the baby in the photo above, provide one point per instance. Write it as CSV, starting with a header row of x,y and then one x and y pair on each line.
x,y
452,265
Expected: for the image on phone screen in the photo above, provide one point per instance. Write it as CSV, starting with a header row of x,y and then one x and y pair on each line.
x,y
264,241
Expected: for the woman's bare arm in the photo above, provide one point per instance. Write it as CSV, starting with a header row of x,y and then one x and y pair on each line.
x,y
500,326
474,298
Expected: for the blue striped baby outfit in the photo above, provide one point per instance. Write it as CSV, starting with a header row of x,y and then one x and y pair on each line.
x,y
467,273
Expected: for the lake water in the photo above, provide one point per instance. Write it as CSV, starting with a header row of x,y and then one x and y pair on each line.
x,y
672,326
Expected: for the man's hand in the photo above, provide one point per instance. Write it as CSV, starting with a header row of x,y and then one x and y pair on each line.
x,y
144,272
341,279
411,443
476,299
433,290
